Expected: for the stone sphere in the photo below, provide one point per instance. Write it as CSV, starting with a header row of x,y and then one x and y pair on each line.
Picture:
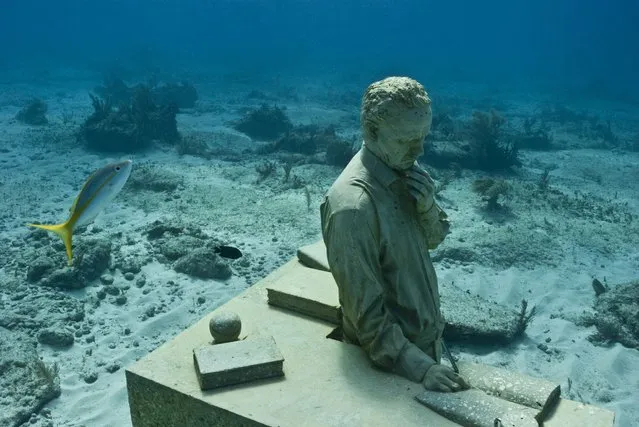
x,y
225,327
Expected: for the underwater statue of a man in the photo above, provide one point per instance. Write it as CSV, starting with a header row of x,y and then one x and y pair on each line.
x,y
379,220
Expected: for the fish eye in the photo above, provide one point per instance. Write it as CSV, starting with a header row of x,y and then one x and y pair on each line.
x,y
117,168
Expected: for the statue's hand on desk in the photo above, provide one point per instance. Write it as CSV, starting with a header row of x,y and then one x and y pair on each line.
x,y
443,378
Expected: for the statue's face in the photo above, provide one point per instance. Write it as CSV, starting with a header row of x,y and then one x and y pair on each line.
x,y
400,141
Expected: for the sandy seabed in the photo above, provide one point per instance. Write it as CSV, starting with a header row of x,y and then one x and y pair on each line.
x,y
534,252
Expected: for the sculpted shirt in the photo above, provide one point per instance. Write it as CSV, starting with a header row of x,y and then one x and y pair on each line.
x,y
378,255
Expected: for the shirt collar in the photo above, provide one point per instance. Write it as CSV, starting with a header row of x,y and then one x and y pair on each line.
x,y
378,168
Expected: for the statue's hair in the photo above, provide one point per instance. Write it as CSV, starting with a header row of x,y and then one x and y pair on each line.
x,y
383,98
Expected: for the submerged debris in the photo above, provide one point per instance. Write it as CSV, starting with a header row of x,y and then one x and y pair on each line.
x,y
26,382
33,113
309,140
264,123
183,94
92,259
598,287
190,251
152,177
490,190
129,127
617,315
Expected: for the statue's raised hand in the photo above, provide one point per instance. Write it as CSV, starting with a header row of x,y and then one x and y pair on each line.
x,y
432,218
421,186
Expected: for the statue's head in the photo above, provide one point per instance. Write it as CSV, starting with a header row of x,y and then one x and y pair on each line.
x,y
396,116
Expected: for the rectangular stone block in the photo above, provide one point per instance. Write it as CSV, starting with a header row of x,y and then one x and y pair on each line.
x,y
237,362
307,291
314,256
475,408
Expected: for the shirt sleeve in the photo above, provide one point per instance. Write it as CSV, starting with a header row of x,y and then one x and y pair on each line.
x,y
353,252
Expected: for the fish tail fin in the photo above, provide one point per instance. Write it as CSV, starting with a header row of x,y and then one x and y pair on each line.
x,y
65,232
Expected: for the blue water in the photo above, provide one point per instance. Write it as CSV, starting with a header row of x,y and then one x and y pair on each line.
x,y
577,45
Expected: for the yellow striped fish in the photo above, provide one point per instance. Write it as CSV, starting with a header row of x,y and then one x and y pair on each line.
x,y
98,190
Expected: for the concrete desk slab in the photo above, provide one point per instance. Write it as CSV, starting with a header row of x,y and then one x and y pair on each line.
x,y
326,382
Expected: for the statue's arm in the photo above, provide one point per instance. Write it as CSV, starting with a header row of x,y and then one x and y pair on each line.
x,y
353,255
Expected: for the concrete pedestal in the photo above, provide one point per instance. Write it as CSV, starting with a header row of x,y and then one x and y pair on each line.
x,y
325,382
